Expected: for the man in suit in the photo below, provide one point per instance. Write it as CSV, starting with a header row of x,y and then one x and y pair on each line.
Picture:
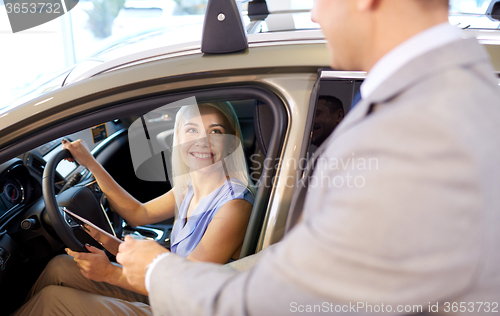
x,y
419,232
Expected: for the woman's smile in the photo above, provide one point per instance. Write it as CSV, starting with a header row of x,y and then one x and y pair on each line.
x,y
204,139
202,155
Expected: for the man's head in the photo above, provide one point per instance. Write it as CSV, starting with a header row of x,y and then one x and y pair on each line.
x,y
329,113
360,32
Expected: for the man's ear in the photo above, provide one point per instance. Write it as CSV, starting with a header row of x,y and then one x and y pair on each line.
x,y
367,5
340,115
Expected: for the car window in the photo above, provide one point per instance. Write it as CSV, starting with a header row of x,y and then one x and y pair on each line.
x,y
333,102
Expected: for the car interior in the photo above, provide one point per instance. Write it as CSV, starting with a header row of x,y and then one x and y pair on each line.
x,y
28,238
31,229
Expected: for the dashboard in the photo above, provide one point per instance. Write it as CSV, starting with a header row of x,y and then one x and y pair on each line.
x,y
25,231
12,195
27,236
16,186
21,178
18,177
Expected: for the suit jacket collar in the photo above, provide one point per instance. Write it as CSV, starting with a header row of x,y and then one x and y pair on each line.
x,y
459,53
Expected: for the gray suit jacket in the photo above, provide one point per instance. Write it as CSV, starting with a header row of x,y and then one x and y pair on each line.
x,y
417,225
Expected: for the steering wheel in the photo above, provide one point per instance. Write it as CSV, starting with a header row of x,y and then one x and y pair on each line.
x,y
80,199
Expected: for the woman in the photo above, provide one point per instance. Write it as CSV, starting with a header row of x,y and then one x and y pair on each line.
x,y
211,194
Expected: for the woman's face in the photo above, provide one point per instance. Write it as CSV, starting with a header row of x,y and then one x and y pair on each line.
x,y
205,138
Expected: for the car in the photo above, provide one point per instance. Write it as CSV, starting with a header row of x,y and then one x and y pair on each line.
x,y
274,86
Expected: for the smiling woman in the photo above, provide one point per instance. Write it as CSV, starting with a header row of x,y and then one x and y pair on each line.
x,y
207,135
208,170
212,197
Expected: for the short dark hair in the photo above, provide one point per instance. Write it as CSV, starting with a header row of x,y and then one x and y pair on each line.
x,y
333,103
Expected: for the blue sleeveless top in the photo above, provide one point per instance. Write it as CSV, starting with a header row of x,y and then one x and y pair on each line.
x,y
184,238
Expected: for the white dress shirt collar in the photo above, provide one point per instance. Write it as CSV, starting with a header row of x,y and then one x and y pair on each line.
x,y
412,48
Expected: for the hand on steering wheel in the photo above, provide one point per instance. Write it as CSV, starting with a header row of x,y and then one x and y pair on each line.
x,y
79,199
80,152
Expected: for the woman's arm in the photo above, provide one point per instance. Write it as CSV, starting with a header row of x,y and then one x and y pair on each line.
x,y
134,212
225,233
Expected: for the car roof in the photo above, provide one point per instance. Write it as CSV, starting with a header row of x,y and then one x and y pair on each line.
x,y
276,29
283,25
296,54
183,36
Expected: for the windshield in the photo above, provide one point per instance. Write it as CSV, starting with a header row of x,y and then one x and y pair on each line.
x,y
280,5
469,6
456,6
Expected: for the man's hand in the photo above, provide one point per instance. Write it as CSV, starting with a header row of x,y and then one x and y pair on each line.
x,y
135,256
94,265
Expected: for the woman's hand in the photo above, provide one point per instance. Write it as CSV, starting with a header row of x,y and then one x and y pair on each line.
x,y
94,265
80,152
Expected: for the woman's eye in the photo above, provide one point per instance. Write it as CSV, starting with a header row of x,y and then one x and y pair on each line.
x,y
191,130
216,131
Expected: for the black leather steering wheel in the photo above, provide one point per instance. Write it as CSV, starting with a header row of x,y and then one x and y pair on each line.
x,y
80,199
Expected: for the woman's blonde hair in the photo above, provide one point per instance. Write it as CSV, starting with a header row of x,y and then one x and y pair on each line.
x,y
235,164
